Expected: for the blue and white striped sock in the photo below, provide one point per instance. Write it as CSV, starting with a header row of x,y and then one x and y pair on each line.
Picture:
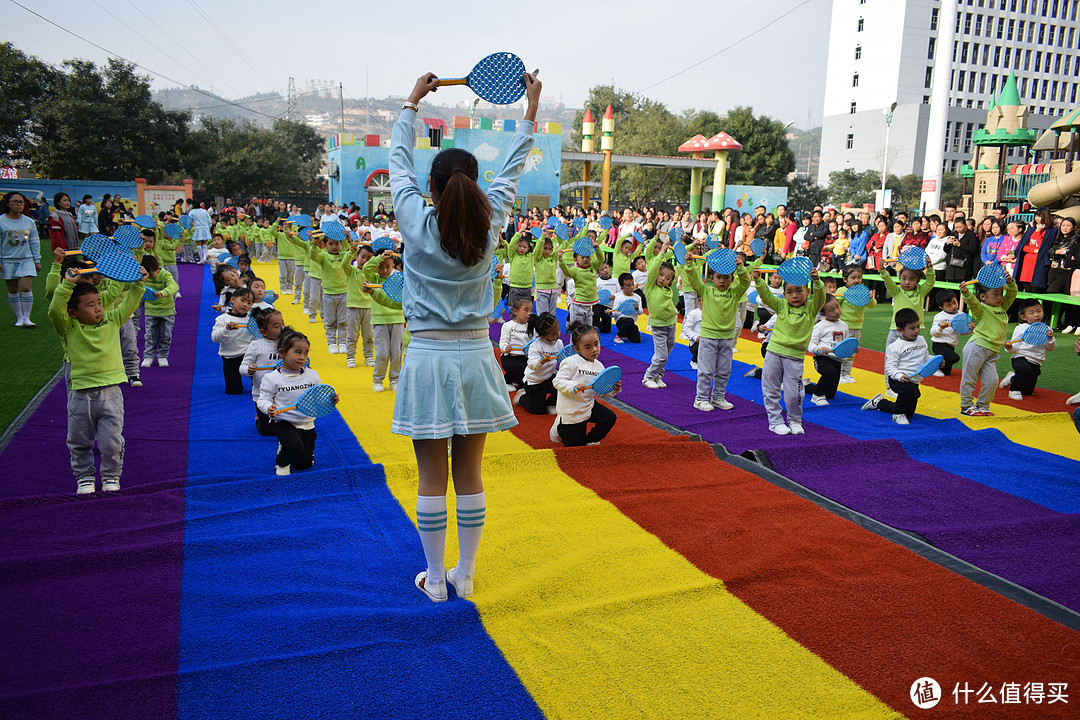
x,y
431,521
16,306
471,512
26,299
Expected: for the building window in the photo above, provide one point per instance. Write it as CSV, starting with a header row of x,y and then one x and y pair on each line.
x,y
1008,53
850,141
982,187
1023,86
967,23
858,52
1001,28
971,82
959,82
933,18
1050,35
925,99
929,78
1012,28
978,24
930,49
964,52
982,83
853,110
861,25
855,80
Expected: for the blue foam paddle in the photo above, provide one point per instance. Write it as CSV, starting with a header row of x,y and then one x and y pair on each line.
x,y
500,308
930,367
280,364
752,297
149,294
562,231
628,307
552,221
857,295
536,232
303,220
605,223
269,297
253,328
722,261
913,257
382,244
992,277
566,352
712,242
603,296
314,402
584,247
604,383
796,270
128,236
962,323
845,348
1037,334
494,267
334,231
676,233
580,222
95,246
681,256
353,235
122,268
757,246
498,78
305,235
185,221
234,260
174,230
393,286
145,221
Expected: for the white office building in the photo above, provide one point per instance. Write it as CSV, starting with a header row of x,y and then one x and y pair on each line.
x,y
882,51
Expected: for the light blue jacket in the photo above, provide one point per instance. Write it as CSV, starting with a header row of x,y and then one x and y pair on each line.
x,y
440,292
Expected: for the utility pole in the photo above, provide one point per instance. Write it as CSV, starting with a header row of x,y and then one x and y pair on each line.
x,y
292,110
341,97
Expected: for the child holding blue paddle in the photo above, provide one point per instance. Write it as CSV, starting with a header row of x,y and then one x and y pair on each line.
x,y
584,273
160,312
388,327
1027,359
539,395
827,333
515,334
943,337
989,308
908,291
662,313
903,359
546,266
521,263
231,333
260,358
854,316
576,405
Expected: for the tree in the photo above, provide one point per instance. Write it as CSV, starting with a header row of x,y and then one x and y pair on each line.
x,y
231,158
104,125
766,158
804,193
26,82
849,186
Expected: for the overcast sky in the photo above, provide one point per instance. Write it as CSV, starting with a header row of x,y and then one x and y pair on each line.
x,y
379,48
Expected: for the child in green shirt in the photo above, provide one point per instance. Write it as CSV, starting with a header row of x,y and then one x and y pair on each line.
x,y
160,312
662,315
358,311
988,307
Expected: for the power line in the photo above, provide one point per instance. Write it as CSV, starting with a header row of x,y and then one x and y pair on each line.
x,y
133,63
254,36
723,50
210,21
183,47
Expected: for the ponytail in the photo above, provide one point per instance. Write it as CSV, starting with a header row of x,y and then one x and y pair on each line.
x,y
461,208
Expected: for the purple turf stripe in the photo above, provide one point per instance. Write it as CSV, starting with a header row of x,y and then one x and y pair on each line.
x,y
1019,540
91,585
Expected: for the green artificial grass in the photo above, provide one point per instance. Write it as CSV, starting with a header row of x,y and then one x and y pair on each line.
x,y
34,355
1061,371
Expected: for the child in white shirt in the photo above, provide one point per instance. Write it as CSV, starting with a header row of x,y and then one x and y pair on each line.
x,y
576,405
823,339
903,358
539,394
691,330
1027,359
512,344
943,338
231,333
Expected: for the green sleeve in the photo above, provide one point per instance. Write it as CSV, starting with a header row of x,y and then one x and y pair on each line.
x,y
890,286
818,300
973,303
171,287
766,297
130,302
1011,289
52,280
58,308
694,277
650,278
316,254
742,278
371,269
597,259
928,282
538,250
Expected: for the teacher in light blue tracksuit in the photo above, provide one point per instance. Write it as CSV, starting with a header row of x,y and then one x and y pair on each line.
x,y
450,386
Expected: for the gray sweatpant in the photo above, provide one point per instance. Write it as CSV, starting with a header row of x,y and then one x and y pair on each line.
x,y
690,302
129,345
663,342
298,282
314,295
158,337
547,301
359,328
389,347
713,368
517,293
978,363
579,313
784,373
286,271
335,319
96,414
850,362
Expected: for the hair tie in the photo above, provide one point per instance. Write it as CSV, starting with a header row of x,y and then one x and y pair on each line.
x,y
459,170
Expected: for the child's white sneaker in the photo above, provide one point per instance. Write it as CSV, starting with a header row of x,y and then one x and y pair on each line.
x,y
350,363
900,419
393,384
296,301
331,348
722,404
435,593
111,484
1068,330
693,365
163,362
650,383
282,469
872,403
147,362
518,395
378,388
1007,380
796,428
85,486
938,373
462,584
753,371
819,400
703,406
660,382
370,362
1015,395
312,319
846,379
780,429
553,433
1074,400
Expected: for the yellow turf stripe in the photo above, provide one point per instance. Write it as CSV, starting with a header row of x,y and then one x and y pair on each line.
x,y
597,616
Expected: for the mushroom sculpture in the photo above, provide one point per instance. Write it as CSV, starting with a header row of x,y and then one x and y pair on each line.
x,y
696,145
722,143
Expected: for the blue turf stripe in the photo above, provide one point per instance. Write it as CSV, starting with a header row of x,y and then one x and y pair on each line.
x,y
298,597
1028,473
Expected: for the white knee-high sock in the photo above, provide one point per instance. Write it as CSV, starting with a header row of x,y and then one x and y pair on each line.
x,y
431,521
16,306
27,301
471,511
202,253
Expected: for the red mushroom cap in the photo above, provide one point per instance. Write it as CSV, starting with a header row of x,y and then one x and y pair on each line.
x,y
722,141
588,115
698,143
608,115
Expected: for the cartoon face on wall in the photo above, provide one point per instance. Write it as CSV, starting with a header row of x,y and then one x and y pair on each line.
x,y
533,159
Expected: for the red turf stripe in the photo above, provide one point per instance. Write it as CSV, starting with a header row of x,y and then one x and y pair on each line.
x,y
876,612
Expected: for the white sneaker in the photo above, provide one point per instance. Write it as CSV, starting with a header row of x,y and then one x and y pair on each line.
x,y
312,319
331,349
722,404
703,406
890,394
85,486
435,593
163,362
796,428
134,381
177,296
1074,400
462,584
553,433
511,389
28,323
846,379
110,484
1077,331
693,365
552,410
1007,380
377,388
650,383
518,395
350,363
660,382
872,403
753,370
393,384
1068,330
900,419
147,362
282,469
780,429
370,362
939,374
1015,395
296,301
819,400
